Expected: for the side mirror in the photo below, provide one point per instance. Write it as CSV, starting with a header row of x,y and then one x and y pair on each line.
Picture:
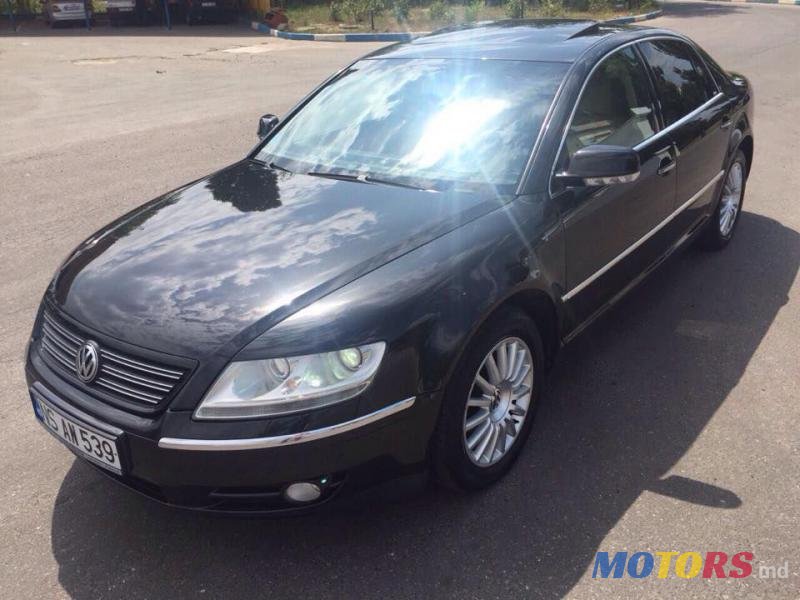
x,y
266,124
602,165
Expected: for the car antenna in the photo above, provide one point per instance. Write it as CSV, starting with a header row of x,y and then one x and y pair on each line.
x,y
593,27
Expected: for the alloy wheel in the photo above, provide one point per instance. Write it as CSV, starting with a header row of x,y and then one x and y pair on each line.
x,y
731,199
499,402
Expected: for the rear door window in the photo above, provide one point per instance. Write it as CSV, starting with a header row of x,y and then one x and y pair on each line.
x,y
681,80
720,76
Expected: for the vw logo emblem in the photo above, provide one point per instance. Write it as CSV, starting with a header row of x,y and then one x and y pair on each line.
x,y
87,362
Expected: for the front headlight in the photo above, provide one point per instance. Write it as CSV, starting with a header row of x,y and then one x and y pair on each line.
x,y
280,386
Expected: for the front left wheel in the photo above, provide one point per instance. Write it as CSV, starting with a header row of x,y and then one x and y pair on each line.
x,y
488,406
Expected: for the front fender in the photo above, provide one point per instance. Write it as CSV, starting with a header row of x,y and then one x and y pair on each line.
x,y
428,303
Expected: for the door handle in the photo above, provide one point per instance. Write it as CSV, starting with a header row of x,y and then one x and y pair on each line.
x,y
726,122
666,165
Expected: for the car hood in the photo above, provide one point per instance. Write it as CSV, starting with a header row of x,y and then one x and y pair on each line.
x,y
208,267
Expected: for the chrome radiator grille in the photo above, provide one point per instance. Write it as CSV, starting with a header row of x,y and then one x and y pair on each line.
x,y
119,375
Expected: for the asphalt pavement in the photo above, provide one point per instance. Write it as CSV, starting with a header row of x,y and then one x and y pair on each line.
x,y
671,424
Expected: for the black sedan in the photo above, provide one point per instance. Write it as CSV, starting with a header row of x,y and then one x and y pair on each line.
x,y
383,283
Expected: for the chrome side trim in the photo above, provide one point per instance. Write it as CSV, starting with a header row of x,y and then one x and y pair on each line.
x,y
684,119
578,288
286,440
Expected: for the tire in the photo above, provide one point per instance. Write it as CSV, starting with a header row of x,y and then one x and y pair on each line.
x,y
715,236
453,465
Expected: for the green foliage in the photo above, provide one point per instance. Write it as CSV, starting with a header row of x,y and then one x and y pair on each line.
x,y
440,11
21,7
551,8
337,11
401,10
361,10
601,5
582,5
471,10
515,9
352,9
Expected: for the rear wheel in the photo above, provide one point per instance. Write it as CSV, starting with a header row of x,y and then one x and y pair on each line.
x,y
722,224
489,405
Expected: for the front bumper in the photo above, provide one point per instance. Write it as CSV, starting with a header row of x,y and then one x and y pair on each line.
x,y
121,11
69,15
247,475
125,6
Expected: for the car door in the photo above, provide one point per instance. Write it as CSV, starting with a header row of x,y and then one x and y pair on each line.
x,y
606,227
697,119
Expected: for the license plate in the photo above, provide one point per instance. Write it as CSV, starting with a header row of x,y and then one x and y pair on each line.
x,y
208,4
88,442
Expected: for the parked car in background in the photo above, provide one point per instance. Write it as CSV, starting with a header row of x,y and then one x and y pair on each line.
x,y
193,12
134,12
384,281
56,11
204,11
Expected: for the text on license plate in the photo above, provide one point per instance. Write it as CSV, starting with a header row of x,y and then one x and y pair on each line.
x,y
94,446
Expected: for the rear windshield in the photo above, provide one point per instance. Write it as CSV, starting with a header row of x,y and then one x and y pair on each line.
x,y
446,121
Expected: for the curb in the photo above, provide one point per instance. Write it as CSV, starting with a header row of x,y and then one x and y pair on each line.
x,y
406,36
636,18
338,37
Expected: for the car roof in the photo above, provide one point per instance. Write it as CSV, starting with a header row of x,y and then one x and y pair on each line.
x,y
551,40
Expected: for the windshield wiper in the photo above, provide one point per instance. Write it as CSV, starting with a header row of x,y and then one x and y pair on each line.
x,y
334,175
274,165
367,179
371,179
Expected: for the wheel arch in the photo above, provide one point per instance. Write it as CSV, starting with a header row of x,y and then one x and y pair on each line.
x,y
542,311
538,306
746,146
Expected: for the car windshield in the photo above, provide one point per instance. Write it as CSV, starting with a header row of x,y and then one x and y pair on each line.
x,y
430,123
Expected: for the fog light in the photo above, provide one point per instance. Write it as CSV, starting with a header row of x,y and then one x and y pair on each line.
x,y
303,491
